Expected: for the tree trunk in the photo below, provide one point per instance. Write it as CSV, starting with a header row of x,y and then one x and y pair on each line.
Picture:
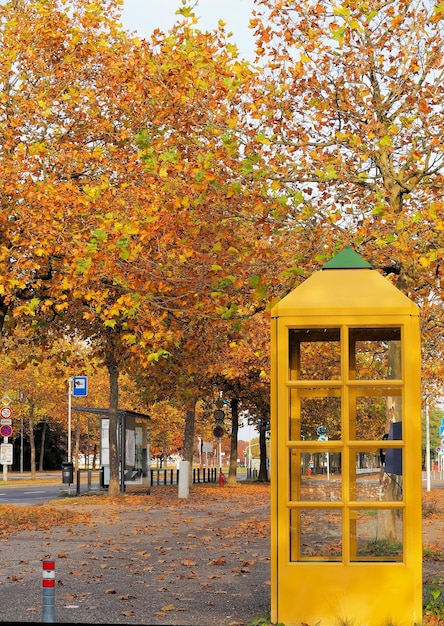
x,y
391,484
113,373
188,439
164,449
4,308
31,438
232,477
42,446
94,456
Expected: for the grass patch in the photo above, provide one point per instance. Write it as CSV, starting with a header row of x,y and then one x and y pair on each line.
x,y
433,602
381,547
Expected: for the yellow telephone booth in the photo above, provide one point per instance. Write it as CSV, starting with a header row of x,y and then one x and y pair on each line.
x,y
346,451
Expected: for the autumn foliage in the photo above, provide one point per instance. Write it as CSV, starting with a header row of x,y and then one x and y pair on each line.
x,y
158,195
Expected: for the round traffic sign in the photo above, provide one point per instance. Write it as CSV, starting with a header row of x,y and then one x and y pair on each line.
x,y
218,431
6,412
6,430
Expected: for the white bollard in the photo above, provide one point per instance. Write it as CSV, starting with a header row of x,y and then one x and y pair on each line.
x,y
184,479
48,590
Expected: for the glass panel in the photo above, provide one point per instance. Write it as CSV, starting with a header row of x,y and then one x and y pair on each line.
x,y
320,534
315,414
320,476
377,535
370,482
372,414
375,353
315,354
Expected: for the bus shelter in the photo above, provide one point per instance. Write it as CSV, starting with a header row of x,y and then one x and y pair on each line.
x,y
346,450
133,444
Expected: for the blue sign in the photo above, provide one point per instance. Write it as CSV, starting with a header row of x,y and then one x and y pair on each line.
x,y
441,432
80,386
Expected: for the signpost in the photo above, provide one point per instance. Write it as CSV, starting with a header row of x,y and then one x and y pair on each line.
x,y
6,449
6,455
80,386
5,412
6,430
218,432
77,386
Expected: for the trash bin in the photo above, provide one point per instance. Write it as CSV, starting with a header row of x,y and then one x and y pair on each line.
x,y
67,473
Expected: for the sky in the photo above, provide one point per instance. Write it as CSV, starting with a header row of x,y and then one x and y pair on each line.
x,y
143,16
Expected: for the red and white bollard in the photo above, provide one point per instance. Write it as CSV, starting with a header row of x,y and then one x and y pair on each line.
x,y
48,591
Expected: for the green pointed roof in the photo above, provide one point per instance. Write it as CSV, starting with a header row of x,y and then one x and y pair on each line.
x,y
345,260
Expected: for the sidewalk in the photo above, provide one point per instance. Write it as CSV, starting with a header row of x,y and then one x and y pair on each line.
x,y
201,561
157,559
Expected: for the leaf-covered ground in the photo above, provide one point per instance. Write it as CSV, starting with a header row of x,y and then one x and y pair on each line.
x,y
158,559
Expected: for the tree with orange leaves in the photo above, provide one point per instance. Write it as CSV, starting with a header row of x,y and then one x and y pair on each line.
x,y
115,240
345,124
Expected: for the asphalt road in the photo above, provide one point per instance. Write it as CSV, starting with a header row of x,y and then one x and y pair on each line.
x,y
19,489
40,491
29,495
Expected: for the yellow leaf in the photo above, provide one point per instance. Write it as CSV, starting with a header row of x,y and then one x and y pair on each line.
x,y
232,122
385,141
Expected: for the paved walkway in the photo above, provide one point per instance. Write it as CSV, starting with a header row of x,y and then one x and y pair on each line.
x,y
199,562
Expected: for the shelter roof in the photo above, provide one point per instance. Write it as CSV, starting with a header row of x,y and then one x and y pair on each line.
x,y
105,412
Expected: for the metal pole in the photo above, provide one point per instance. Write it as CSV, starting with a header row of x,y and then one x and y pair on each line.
x,y
427,446
48,591
5,465
69,417
21,444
